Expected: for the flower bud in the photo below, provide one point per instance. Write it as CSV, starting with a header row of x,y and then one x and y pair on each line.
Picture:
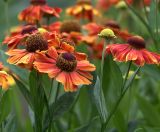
x,y
107,33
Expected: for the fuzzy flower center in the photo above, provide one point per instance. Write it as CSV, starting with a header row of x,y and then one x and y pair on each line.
x,y
66,62
38,2
28,29
70,26
136,42
68,41
36,42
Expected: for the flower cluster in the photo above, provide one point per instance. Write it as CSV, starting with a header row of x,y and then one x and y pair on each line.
x,y
49,49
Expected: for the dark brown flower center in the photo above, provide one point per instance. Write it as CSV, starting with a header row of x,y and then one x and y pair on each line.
x,y
66,62
38,2
70,26
112,24
28,29
68,41
36,42
136,42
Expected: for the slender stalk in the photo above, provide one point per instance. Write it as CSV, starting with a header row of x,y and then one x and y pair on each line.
x,y
145,10
101,77
52,83
156,17
126,76
144,22
57,92
55,99
116,105
102,62
7,17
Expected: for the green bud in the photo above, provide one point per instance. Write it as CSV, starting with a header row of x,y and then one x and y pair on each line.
x,y
107,33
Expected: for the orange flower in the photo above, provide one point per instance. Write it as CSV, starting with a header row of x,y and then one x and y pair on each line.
x,y
37,10
18,38
65,68
83,9
63,45
53,27
5,79
134,51
37,41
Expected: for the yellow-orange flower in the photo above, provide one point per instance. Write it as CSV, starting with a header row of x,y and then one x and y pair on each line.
x,y
83,9
65,68
37,10
19,37
134,51
6,80
25,57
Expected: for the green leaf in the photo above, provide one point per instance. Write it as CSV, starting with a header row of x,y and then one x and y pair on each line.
x,y
99,100
62,105
149,112
5,106
24,90
85,128
111,74
39,99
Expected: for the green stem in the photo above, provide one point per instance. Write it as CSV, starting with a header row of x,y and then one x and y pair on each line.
x,y
102,63
101,77
55,99
126,76
156,17
117,103
144,22
57,92
7,17
50,92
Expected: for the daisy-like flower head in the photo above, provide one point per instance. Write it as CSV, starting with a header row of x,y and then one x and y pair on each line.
x,y
83,9
134,50
37,41
18,39
37,10
65,68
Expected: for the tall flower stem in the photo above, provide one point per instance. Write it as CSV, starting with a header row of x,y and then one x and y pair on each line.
x,y
50,92
144,22
102,62
57,92
118,102
156,17
126,76
7,16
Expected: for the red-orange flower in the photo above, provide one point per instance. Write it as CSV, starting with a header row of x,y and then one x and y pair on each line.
x,y
37,10
34,42
83,9
18,38
134,51
65,68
